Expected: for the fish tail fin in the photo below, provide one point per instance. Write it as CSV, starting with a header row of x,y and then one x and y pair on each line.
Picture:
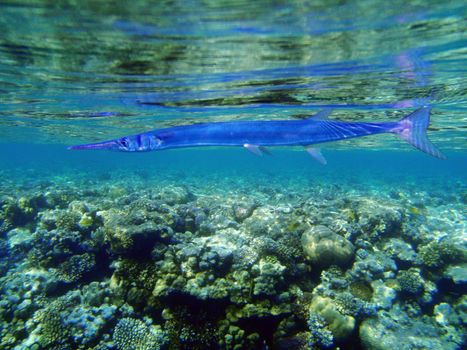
x,y
412,129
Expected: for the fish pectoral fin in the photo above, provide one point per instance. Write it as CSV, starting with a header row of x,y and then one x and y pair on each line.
x,y
255,149
316,154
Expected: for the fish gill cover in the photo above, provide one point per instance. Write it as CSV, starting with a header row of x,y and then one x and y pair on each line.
x,y
218,248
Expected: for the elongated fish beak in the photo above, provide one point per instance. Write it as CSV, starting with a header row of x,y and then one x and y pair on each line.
x,y
99,145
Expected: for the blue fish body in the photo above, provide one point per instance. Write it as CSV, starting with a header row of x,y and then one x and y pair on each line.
x,y
256,135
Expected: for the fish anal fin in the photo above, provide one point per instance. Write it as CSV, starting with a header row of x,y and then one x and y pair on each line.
x,y
316,154
255,149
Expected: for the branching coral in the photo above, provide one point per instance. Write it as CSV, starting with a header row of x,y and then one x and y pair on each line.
x,y
17,213
410,281
133,334
347,304
52,328
320,334
437,254
67,220
76,267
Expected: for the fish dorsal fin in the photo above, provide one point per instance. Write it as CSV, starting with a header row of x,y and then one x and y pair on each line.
x,y
321,115
316,154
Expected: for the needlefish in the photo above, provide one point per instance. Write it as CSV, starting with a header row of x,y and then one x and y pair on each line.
x,y
255,136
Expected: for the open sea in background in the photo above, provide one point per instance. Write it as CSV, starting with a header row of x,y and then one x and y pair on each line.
x,y
216,248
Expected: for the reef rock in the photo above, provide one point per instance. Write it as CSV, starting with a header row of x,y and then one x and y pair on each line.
x,y
388,329
176,195
400,251
19,238
324,247
378,219
458,274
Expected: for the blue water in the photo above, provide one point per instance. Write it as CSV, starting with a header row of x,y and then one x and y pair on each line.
x,y
207,248
364,166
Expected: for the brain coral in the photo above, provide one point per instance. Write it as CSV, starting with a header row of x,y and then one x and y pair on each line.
x,y
324,247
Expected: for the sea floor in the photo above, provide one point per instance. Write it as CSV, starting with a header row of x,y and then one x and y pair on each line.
x,y
127,260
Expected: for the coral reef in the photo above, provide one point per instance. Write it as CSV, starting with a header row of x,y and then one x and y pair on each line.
x,y
124,265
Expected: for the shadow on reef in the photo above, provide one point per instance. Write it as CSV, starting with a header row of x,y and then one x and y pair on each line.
x,y
128,265
192,323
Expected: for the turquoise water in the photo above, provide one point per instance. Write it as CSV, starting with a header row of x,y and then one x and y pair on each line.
x,y
216,248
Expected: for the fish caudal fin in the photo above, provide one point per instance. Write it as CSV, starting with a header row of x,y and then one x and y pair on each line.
x,y
412,129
